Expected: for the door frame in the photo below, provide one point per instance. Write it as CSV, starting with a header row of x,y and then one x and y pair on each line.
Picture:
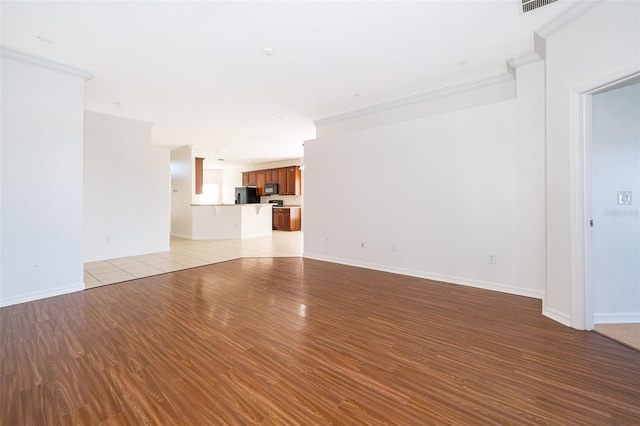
x,y
583,313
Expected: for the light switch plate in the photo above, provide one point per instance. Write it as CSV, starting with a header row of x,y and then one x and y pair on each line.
x,y
624,198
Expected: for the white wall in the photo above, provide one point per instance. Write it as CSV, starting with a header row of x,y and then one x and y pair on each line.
x,y
182,191
616,234
127,189
433,196
601,45
41,178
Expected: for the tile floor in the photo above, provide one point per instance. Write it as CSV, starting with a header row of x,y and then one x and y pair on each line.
x,y
185,254
628,334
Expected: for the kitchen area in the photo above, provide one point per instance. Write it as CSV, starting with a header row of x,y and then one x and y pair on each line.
x,y
233,202
266,184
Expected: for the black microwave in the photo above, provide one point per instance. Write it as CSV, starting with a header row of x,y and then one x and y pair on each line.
x,y
271,189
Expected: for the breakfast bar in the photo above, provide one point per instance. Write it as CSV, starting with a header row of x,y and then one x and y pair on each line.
x,y
230,221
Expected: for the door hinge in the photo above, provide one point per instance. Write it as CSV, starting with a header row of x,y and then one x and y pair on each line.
x,y
591,223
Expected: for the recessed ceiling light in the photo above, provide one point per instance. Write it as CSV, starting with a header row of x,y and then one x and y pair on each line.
x,y
268,51
225,150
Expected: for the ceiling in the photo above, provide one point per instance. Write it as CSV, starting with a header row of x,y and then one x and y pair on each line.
x,y
197,70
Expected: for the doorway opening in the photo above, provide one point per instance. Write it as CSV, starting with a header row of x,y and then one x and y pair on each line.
x,y
611,219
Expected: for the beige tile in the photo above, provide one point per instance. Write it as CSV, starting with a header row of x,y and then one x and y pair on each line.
x,y
125,261
147,273
102,267
140,269
145,258
118,279
173,268
89,279
104,276
185,254
154,261
194,263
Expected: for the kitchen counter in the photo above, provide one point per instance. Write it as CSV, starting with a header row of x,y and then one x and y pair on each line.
x,y
230,221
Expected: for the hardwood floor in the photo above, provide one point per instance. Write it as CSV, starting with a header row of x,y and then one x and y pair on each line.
x,y
296,341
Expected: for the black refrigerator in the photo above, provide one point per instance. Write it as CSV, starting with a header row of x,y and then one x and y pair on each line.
x,y
246,195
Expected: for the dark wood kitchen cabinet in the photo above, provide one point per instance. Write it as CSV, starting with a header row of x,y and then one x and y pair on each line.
x,y
199,172
260,181
249,178
287,218
282,181
289,180
271,176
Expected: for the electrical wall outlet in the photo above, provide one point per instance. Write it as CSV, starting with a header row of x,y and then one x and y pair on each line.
x,y
491,258
362,244
393,247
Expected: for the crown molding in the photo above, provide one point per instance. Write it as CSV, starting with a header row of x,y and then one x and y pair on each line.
x,y
520,60
566,17
5,52
417,99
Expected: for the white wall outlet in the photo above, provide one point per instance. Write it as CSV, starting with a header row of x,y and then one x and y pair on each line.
x,y
107,239
326,241
491,258
393,247
362,244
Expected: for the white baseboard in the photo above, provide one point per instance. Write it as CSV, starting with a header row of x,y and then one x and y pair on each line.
x,y
557,316
617,318
115,255
184,236
519,291
30,297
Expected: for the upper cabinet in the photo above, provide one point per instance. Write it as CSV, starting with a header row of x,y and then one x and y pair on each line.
x,y
199,174
271,176
287,178
291,186
260,181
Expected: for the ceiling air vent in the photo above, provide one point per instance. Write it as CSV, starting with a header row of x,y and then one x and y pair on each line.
x,y
529,5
